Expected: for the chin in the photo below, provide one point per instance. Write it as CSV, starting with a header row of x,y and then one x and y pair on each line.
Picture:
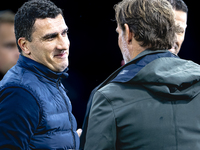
x,y
64,67
60,68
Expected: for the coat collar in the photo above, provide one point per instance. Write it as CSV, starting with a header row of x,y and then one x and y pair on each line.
x,y
41,70
132,69
114,76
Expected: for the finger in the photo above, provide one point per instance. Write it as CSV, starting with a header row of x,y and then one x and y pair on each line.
x,y
79,131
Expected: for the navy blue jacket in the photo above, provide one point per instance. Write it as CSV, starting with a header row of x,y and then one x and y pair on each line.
x,y
35,112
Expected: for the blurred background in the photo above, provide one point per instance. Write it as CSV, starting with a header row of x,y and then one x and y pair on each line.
x,y
94,51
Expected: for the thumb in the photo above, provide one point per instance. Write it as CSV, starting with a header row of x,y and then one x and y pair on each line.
x,y
79,132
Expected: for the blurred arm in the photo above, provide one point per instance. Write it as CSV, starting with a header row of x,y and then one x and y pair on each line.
x,y
101,133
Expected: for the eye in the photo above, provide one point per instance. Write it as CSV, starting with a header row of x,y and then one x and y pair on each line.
x,y
50,37
181,31
65,32
9,46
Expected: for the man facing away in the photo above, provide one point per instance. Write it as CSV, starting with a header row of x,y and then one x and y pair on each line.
x,y
181,10
35,111
9,53
152,102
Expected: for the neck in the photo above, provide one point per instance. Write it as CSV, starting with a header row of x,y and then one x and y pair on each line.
x,y
135,50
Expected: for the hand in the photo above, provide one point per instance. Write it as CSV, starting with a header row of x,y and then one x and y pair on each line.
x,y
79,131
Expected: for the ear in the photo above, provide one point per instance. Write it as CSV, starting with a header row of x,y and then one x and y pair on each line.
x,y
128,34
22,42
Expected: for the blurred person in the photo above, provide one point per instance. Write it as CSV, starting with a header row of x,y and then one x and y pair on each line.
x,y
181,13
35,110
152,102
9,53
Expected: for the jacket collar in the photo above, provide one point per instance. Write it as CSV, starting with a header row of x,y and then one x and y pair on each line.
x,y
132,69
114,76
41,70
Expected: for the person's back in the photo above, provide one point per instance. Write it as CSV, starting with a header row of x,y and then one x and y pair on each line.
x,y
152,101
155,108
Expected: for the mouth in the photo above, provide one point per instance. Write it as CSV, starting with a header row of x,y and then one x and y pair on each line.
x,y
61,55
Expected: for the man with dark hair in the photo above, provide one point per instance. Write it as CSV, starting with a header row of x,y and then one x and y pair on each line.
x,y
181,13
9,53
152,102
35,110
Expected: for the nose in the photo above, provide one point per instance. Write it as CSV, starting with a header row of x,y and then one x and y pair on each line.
x,y
63,43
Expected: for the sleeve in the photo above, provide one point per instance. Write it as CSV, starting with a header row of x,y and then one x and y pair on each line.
x,y
19,117
101,133
85,122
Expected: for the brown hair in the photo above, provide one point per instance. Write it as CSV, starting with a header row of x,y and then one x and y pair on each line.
x,y
151,21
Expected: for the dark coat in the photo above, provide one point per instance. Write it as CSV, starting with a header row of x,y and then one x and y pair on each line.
x,y
35,112
150,103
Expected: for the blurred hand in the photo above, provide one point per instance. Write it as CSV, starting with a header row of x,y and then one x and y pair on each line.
x,y
79,131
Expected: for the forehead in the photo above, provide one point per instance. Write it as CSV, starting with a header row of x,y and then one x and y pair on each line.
x,y
47,25
181,17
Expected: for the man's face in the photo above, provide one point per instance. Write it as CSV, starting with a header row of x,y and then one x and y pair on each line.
x,y
9,53
181,20
50,43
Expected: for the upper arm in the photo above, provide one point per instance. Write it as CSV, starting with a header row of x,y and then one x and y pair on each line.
x,y
19,117
101,132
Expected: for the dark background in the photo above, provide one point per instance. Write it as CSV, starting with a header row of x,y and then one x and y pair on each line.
x,y
94,52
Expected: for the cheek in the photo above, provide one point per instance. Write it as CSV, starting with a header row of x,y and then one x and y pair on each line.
x,y
119,41
180,38
44,48
38,51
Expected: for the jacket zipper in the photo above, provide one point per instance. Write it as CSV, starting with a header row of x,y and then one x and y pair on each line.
x,y
70,118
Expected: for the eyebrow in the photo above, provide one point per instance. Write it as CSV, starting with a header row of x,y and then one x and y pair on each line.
x,y
53,35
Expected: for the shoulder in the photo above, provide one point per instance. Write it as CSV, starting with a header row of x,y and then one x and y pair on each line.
x,y
168,63
17,75
119,95
110,88
16,94
108,95
19,102
21,78
113,90
13,90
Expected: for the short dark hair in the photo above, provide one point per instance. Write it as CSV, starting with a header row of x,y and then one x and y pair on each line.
x,y
151,21
30,11
179,5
